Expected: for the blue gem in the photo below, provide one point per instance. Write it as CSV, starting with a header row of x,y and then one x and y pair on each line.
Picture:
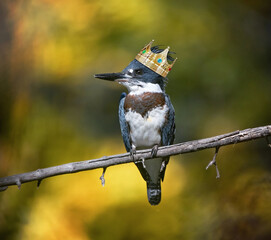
x,y
159,60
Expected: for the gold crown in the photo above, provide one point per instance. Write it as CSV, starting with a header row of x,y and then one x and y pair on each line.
x,y
155,61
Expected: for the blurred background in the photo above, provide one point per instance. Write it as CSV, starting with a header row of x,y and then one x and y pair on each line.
x,y
52,111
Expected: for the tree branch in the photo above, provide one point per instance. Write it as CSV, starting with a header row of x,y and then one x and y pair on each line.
x,y
165,151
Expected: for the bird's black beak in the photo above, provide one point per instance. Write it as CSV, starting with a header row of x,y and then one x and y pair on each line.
x,y
118,77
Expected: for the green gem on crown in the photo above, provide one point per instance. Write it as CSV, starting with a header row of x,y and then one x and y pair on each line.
x,y
144,51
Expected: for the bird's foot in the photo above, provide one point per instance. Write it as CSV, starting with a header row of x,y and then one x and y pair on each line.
x,y
154,151
133,152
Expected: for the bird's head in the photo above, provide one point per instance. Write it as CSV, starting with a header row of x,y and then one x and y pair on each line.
x,y
138,76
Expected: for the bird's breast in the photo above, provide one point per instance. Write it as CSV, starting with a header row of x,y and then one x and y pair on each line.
x,y
145,114
144,103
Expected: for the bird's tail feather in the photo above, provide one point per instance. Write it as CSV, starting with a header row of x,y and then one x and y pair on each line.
x,y
154,192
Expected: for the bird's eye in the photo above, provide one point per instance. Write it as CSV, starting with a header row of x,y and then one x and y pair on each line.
x,y
138,71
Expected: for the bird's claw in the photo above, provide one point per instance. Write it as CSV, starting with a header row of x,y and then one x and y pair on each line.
x,y
154,151
133,152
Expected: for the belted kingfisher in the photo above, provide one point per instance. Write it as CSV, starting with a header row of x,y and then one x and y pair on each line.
x,y
146,114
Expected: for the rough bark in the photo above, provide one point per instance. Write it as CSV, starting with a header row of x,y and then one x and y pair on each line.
x,y
165,151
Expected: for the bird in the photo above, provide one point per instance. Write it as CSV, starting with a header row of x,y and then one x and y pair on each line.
x,y
146,114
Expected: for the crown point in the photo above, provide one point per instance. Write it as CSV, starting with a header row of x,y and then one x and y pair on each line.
x,y
174,60
165,52
151,42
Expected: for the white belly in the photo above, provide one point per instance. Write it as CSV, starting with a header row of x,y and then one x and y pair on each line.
x,y
145,132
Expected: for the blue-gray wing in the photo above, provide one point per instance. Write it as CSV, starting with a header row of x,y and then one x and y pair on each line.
x,y
168,132
168,129
123,124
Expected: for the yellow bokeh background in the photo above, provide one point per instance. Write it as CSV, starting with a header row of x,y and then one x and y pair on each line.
x,y
53,111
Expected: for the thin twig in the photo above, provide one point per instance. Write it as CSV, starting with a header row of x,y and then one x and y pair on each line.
x,y
213,162
268,143
165,151
102,177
